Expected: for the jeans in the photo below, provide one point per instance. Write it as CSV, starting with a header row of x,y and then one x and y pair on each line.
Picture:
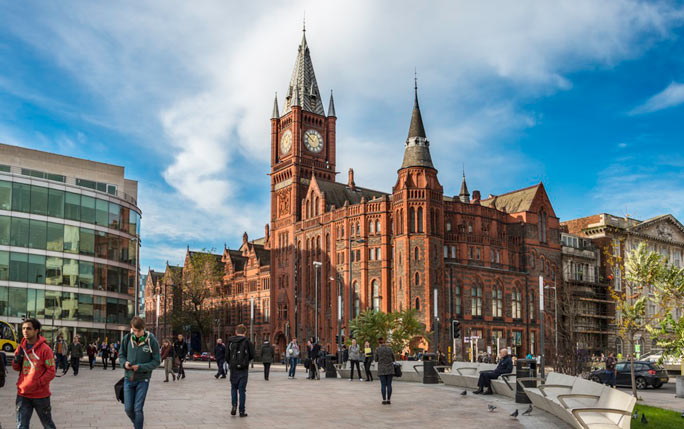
x,y
358,368
104,362
610,377
91,361
134,400
313,371
366,366
386,386
75,363
25,407
61,361
293,366
221,363
181,370
267,369
113,361
168,368
238,384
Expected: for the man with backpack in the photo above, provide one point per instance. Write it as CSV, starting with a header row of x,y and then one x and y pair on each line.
x,y
240,353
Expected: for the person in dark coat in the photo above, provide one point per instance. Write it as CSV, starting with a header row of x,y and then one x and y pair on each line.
x,y
92,353
240,353
267,354
505,366
76,352
220,355
180,347
313,349
104,352
384,356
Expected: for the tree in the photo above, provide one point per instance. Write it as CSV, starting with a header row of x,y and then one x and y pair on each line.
x,y
398,328
201,276
669,333
645,272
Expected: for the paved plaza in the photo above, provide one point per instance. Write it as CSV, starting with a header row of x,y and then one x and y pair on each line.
x,y
202,401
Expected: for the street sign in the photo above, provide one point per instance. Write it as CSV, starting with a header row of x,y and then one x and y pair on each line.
x,y
466,339
637,348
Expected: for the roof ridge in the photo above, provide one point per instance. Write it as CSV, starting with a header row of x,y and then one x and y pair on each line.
x,y
510,192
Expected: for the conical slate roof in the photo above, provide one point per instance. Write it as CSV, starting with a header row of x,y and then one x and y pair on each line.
x,y
417,148
464,195
303,88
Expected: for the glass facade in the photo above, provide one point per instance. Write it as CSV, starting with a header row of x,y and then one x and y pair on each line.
x,y
74,261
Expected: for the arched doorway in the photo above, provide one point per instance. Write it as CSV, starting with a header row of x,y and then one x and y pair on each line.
x,y
279,342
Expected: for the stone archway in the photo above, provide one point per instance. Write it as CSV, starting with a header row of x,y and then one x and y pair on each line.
x,y
280,343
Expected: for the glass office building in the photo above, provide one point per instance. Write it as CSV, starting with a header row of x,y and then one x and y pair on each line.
x,y
69,244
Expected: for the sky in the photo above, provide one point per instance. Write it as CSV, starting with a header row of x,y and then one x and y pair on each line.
x,y
586,96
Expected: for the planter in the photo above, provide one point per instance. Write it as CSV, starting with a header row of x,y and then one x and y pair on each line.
x,y
679,386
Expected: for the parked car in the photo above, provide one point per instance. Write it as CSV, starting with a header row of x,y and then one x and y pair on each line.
x,y
206,357
645,373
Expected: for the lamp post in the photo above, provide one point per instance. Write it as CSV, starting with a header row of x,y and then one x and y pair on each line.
x,y
555,313
436,322
317,266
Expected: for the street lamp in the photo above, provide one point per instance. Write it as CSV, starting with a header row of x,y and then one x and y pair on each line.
x,y
317,265
436,321
555,313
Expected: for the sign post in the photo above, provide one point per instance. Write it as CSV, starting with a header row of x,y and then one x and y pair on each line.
x,y
541,325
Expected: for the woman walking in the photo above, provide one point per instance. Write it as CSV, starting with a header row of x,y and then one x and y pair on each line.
x,y
113,355
354,358
167,356
384,356
104,352
367,360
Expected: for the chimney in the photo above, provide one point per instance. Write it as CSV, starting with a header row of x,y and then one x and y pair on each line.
x,y
476,197
351,183
267,231
244,238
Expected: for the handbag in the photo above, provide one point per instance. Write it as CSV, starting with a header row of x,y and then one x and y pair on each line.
x,y
119,390
397,369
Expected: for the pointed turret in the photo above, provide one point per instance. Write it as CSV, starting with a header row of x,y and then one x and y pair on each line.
x,y
331,106
276,113
417,148
303,89
464,195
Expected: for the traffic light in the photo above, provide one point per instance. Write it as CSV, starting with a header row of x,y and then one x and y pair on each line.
x,y
456,328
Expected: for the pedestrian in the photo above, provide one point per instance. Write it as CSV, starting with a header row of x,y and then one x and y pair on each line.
x,y
384,356
166,356
240,353
76,352
60,354
345,356
104,353
610,369
312,350
505,366
181,349
3,364
36,365
292,354
267,355
91,350
139,356
354,359
220,356
367,360
113,354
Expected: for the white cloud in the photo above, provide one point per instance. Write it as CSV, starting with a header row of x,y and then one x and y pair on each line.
x,y
671,96
196,81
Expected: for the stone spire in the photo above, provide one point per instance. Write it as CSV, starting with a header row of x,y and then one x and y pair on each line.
x,y
331,106
417,147
275,114
464,195
303,89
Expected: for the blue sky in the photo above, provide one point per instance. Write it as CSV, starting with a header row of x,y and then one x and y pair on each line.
x,y
586,96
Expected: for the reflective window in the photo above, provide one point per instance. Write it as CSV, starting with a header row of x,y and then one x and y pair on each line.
x,y
72,206
36,269
69,306
87,244
5,195
87,209
55,237
56,203
20,232
71,239
99,309
17,302
114,216
113,279
100,277
18,267
85,307
53,305
4,265
39,200
70,273
101,212
35,303
37,234
4,298
21,197
53,271
5,230
86,274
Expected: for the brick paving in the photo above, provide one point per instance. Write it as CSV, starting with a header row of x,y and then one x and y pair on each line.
x,y
200,401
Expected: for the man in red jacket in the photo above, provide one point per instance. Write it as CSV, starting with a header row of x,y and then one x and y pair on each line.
x,y
36,365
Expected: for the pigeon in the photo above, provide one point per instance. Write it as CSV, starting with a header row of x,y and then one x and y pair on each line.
x,y
644,420
635,415
491,407
514,414
465,392
528,411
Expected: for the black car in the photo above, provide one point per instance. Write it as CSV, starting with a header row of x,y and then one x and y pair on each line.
x,y
645,374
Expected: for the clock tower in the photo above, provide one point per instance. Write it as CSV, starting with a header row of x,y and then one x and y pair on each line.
x,y
302,141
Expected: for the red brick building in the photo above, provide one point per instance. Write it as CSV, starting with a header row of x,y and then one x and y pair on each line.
x,y
481,258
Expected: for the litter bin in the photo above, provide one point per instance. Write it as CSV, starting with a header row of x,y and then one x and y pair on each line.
x,y
429,373
524,368
330,371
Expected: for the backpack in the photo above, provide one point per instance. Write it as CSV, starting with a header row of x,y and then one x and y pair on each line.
x,y
239,355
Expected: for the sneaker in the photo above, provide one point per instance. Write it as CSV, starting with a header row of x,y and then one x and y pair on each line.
x,y
243,414
389,402
384,402
166,381
216,376
360,379
233,410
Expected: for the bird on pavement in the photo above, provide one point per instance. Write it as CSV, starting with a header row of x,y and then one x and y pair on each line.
x,y
644,420
635,415
514,414
465,392
528,411
491,407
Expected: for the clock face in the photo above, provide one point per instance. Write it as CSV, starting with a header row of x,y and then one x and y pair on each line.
x,y
313,141
286,142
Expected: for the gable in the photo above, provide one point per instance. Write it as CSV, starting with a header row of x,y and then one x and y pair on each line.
x,y
665,227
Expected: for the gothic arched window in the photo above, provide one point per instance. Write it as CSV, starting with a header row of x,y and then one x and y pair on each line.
x,y
420,219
